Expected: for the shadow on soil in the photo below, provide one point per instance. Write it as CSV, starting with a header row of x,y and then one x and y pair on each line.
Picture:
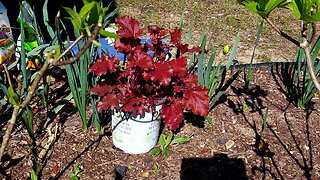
x,y
253,97
218,167
8,162
282,73
306,165
72,162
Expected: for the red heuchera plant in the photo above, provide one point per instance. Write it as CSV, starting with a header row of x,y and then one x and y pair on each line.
x,y
147,81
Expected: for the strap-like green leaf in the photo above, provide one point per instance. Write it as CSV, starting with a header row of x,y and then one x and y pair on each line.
x,y
13,97
108,34
75,17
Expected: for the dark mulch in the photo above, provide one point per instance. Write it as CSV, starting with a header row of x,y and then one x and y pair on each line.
x,y
288,147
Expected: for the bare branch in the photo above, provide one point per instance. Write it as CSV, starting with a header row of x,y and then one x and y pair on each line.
x,y
7,134
82,50
71,46
283,34
35,83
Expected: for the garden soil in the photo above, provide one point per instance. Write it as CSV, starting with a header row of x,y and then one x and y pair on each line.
x,y
237,147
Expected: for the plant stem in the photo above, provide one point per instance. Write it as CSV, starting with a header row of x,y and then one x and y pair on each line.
x,y
35,83
305,47
314,31
48,62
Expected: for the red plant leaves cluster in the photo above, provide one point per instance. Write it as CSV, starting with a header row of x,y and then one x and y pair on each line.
x,y
147,80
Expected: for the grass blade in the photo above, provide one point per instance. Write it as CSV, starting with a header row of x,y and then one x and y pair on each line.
x,y
46,20
201,62
249,76
209,70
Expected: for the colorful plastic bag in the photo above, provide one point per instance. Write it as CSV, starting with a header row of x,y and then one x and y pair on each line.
x,y
7,47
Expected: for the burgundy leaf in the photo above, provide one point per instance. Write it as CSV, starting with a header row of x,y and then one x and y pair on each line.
x,y
179,66
162,73
121,47
156,30
105,64
197,101
128,27
182,47
109,101
172,115
102,90
137,105
190,81
195,49
141,59
175,36
156,34
177,89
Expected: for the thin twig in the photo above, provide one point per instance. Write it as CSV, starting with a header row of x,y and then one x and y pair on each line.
x,y
305,46
283,34
71,46
19,85
82,50
8,74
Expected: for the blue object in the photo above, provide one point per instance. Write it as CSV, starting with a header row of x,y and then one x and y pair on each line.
x,y
107,48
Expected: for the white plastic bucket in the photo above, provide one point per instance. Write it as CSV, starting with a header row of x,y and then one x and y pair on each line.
x,y
136,135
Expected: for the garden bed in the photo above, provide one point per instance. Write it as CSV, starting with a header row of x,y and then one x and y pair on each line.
x,y
288,147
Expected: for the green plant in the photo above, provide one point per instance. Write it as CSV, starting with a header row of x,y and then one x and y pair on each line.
x,y
166,141
264,122
246,107
33,175
78,77
249,75
156,169
210,75
309,13
28,42
20,101
299,84
75,174
77,73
